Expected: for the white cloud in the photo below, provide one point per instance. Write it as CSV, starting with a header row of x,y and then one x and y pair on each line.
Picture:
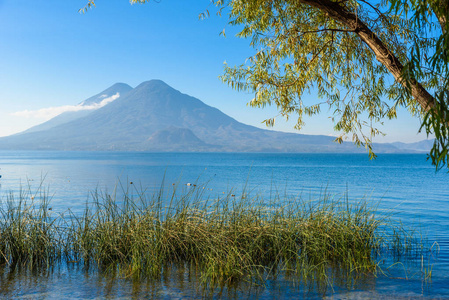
x,y
51,112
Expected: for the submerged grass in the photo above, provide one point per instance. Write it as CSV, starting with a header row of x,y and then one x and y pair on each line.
x,y
225,240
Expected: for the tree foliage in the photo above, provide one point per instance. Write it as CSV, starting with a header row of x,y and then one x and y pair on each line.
x,y
422,15
363,59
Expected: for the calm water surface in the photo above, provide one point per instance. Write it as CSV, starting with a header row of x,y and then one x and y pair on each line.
x,y
404,184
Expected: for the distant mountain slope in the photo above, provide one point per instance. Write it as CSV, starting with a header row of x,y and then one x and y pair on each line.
x,y
170,139
121,88
155,117
421,146
117,90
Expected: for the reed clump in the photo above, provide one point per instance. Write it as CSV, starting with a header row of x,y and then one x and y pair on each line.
x,y
225,240
28,234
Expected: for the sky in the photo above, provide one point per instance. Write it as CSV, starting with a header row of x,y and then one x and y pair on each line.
x,y
52,57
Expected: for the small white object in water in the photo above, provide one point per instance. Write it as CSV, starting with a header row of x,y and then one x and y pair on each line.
x,y
189,184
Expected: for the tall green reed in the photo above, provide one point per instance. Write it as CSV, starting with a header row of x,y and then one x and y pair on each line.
x,y
28,234
224,239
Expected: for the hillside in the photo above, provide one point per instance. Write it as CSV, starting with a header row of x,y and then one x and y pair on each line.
x,y
155,117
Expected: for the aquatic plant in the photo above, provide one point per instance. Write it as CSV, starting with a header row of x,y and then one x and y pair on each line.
x,y
225,240
28,234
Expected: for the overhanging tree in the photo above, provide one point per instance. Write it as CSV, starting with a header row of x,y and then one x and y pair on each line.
x,y
363,58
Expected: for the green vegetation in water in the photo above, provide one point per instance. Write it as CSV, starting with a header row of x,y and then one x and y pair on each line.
x,y
224,240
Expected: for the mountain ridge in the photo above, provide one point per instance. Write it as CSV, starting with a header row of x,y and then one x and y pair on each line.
x,y
119,89
156,117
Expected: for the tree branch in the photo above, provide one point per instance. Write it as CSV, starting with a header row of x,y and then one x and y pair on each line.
x,y
383,54
325,30
439,8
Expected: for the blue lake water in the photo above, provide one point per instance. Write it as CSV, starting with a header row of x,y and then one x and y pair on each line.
x,y
406,185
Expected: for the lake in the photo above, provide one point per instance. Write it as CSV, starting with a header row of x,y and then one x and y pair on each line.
x,y
404,185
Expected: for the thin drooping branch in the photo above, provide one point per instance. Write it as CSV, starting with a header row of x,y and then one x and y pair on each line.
x,y
326,30
349,19
439,8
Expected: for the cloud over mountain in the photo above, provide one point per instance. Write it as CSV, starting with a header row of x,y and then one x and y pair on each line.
x,y
51,112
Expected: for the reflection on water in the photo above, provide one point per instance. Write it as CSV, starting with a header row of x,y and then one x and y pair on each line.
x,y
73,282
66,282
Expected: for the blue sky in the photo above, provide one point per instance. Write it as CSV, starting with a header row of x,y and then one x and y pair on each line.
x,y
52,56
